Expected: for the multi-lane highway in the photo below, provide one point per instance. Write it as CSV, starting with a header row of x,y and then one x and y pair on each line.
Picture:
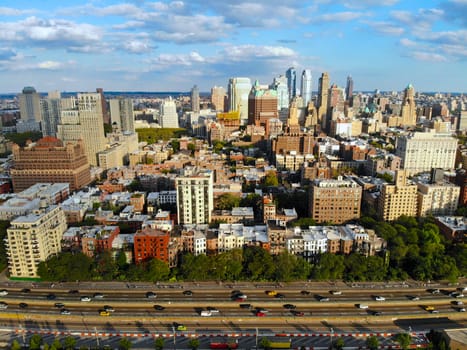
x,y
291,309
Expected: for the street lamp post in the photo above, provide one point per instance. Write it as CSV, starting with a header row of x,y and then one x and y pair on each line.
x,y
97,336
173,332
256,338
332,333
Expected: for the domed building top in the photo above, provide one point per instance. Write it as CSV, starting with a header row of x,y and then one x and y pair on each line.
x,y
410,86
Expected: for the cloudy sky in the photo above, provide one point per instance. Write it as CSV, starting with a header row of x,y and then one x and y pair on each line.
x,y
171,45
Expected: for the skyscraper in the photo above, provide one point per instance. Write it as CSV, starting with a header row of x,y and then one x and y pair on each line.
x,y
30,110
323,87
121,114
238,91
50,113
409,108
280,85
349,90
306,87
262,106
291,75
105,111
168,114
195,99
218,96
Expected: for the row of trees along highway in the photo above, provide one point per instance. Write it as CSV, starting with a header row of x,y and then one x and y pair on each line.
x,y
416,250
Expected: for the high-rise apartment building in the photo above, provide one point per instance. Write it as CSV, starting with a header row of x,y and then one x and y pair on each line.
x,y
51,109
322,103
291,75
122,114
34,238
409,108
262,106
238,91
437,199
195,102
29,105
349,91
105,111
218,97
280,85
195,197
422,151
306,87
48,160
397,199
168,117
335,201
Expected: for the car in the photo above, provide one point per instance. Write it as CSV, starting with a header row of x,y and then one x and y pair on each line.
x,y
23,305
73,291
335,292
271,293
240,299
279,296
429,308
179,326
461,309
245,306
104,313
376,313
434,312
159,307
3,292
289,306
212,309
434,291
187,293
85,298
205,313
323,299
298,313
305,292
98,295
3,305
262,309
260,314
51,296
414,298
458,302
25,290
459,295
59,305
462,289
108,308
151,295
379,298
362,306
65,312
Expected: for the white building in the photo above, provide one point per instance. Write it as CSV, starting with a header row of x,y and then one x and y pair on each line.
x,y
34,238
422,151
168,117
195,200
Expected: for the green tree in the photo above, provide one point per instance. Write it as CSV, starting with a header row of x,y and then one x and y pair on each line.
x,y
159,343
227,201
265,343
258,264
105,266
338,344
404,340
15,345
125,344
193,343
69,343
304,222
175,145
372,342
67,267
329,267
270,180
57,344
35,342
234,267
157,270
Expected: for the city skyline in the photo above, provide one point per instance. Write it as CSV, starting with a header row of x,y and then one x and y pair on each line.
x,y
171,46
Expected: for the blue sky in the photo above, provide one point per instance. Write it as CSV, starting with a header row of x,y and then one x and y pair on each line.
x,y
172,45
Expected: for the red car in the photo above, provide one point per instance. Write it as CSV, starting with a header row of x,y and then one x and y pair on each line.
x,y
260,314
298,313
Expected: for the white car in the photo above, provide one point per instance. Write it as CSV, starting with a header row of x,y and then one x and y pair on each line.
x,y
336,292
362,306
380,298
212,310
3,305
85,298
3,292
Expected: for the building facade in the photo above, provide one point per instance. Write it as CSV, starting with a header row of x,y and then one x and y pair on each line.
x,y
34,238
335,201
49,160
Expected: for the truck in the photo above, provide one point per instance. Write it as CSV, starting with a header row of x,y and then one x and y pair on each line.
x,y
280,344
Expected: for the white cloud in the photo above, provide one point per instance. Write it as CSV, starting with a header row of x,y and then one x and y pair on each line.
x,y
407,42
387,28
338,17
137,46
8,11
52,65
428,56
